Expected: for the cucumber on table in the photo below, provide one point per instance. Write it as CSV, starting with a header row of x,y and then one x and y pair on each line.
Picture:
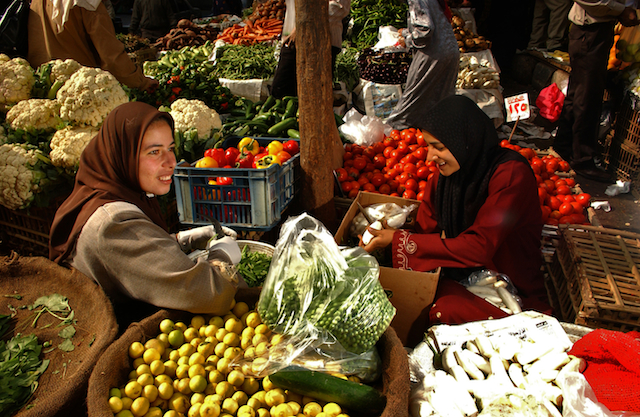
x,y
357,398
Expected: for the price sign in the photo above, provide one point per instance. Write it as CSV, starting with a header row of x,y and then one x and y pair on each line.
x,y
517,107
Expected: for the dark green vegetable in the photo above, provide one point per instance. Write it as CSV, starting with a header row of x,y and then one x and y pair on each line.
x,y
356,397
245,62
369,15
253,267
279,127
293,133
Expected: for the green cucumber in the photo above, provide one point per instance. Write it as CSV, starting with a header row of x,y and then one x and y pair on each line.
x,y
293,133
282,126
356,397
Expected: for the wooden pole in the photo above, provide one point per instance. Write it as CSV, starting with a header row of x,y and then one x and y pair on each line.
x,y
318,131
514,128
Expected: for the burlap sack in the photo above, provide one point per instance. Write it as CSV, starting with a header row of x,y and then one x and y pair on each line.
x,y
62,388
114,365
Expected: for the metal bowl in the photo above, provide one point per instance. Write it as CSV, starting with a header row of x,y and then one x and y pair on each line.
x,y
255,246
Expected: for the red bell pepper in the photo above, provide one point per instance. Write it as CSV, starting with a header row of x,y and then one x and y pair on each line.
x,y
292,147
218,154
224,180
258,157
244,160
231,154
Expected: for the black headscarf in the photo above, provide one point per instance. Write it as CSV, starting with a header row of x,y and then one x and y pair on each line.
x,y
108,172
469,134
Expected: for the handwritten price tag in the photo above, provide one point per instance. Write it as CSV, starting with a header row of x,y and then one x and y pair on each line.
x,y
517,107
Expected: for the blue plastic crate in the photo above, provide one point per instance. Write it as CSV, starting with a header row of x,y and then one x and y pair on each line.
x,y
254,201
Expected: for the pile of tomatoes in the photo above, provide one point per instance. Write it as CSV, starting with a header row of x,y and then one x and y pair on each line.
x,y
558,201
396,166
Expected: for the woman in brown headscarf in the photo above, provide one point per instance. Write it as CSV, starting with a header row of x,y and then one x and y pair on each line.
x,y
111,228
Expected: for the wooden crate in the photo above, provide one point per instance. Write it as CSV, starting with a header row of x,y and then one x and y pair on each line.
x,y
601,278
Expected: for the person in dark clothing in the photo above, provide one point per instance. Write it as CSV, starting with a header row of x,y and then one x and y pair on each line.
x,y
233,7
590,40
152,19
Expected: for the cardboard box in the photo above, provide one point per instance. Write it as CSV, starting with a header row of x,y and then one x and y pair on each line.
x,y
412,292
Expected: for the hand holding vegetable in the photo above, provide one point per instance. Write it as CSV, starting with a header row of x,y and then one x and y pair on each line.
x,y
381,239
198,237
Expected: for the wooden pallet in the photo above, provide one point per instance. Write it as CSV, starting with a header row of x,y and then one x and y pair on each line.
x,y
600,268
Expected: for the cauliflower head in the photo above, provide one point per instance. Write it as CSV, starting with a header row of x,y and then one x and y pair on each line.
x,y
3,136
17,185
16,81
4,58
67,145
194,114
34,114
63,70
89,95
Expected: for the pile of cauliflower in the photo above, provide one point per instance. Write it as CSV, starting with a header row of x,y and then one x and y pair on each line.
x,y
194,114
18,179
79,99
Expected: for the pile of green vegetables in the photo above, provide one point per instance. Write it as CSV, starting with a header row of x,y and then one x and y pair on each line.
x,y
245,62
346,69
253,266
185,73
369,15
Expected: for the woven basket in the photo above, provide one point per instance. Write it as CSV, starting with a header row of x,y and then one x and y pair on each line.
x,y
62,387
114,365
599,276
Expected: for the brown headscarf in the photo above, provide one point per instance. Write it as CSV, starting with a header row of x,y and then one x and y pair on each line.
x,y
108,172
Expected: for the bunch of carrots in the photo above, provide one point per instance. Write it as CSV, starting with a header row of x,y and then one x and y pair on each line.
x,y
263,29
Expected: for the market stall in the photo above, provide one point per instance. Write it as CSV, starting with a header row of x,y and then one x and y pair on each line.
x,y
357,326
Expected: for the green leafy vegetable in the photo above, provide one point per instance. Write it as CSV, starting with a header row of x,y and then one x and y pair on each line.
x,y
253,267
246,62
20,368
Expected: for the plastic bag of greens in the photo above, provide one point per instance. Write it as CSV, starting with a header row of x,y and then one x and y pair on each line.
x,y
319,294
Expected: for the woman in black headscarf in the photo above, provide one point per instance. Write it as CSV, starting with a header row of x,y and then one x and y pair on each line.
x,y
111,228
485,201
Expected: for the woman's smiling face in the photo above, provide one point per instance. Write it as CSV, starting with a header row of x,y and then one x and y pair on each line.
x,y
441,155
157,159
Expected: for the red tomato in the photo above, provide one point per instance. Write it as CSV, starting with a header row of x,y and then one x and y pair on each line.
x,y
420,138
353,173
537,165
551,165
391,162
369,167
527,153
577,207
578,218
393,184
357,149
379,161
392,173
377,180
430,176
570,182
564,189
363,180
395,134
552,221
504,143
560,182
411,184
347,156
564,166
353,193
409,194
342,174
554,202
359,163
549,185
584,199
542,194
420,153
403,147
408,159
384,189
568,198
410,168
369,152
566,209
565,220
554,177
369,187
423,172
555,214
396,154
420,196
404,177
347,186
378,147
422,184
356,185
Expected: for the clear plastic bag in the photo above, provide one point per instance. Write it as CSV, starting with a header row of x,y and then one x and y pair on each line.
x,y
393,214
628,45
494,288
321,297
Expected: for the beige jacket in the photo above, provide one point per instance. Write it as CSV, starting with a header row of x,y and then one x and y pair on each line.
x,y
132,257
88,37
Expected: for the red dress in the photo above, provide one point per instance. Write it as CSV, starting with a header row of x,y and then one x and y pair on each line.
x,y
505,237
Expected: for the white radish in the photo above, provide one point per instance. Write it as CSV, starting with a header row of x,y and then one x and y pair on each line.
x,y
516,375
471,369
532,351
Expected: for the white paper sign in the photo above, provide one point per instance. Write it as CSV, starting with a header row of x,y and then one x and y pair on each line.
x,y
517,107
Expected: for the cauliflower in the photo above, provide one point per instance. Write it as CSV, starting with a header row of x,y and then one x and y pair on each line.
x,y
194,114
89,95
16,81
4,58
34,114
3,136
63,70
18,180
67,145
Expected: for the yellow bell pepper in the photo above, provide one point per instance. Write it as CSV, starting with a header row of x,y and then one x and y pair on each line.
x,y
248,144
268,160
274,147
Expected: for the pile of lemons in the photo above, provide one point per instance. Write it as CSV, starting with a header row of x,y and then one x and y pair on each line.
x,y
211,368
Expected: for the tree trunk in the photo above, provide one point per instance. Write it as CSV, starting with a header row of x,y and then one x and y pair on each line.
x,y
318,132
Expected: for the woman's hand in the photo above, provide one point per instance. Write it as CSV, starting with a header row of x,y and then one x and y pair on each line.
x,y
381,239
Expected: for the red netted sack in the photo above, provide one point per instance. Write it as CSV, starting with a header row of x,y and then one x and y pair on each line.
x,y
613,367
549,102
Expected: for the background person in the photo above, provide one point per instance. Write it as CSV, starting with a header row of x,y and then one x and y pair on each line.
x,y
83,31
285,82
485,200
111,228
152,19
436,59
590,40
550,25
